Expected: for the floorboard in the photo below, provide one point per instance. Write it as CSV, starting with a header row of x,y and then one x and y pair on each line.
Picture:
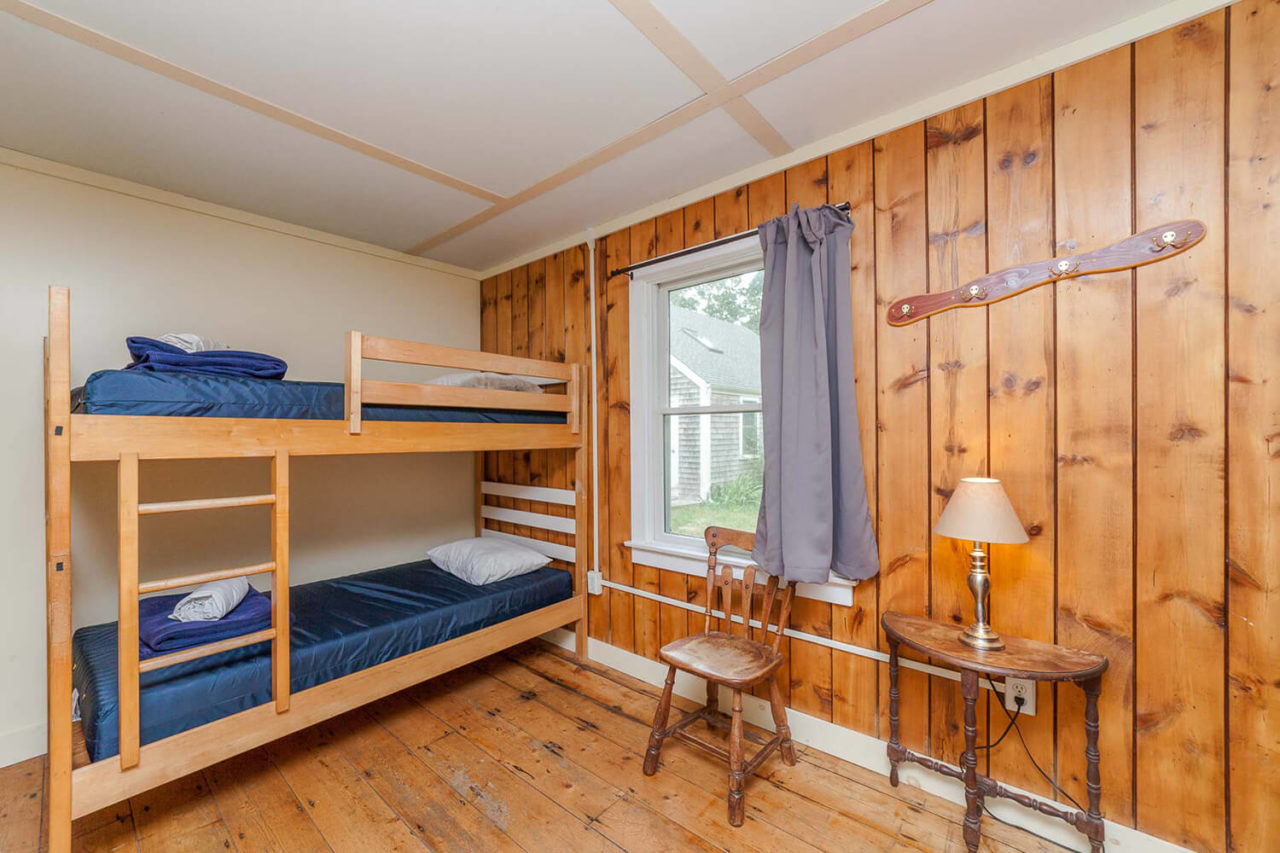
x,y
525,750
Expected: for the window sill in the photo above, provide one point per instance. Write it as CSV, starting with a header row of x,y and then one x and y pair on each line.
x,y
693,561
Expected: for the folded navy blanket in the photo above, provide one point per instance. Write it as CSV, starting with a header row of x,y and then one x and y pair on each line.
x,y
150,354
160,635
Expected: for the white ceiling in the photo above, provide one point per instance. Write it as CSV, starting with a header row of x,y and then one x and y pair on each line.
x,y
738,35
935,48
79,106
701,151
481,89
339,114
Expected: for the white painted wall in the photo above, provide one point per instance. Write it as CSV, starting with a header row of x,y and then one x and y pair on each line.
x,y
139,261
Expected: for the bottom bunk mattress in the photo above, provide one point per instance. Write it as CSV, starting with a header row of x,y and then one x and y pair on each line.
x,y
341,626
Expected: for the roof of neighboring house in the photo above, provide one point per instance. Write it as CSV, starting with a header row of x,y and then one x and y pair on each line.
x,y
723,354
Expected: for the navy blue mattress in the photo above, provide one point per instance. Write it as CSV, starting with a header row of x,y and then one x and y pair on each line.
x,y
197,395
342,626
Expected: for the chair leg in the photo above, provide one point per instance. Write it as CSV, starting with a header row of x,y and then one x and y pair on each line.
x,y
785,746
659,724
736,761
713,696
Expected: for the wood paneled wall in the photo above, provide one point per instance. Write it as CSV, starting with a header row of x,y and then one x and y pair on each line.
x,y
1133,417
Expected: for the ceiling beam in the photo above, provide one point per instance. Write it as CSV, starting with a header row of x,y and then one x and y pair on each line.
x,y
664,35
884,12
98,41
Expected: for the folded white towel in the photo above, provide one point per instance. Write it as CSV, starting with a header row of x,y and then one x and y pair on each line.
x,y
191,342
210,601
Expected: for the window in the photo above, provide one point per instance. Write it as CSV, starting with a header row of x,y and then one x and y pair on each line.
x,y
709,349
695,407
696,427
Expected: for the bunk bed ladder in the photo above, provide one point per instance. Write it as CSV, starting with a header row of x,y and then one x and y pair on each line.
x,y
129,663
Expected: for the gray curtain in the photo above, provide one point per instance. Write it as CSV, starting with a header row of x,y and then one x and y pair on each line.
x,y
814,515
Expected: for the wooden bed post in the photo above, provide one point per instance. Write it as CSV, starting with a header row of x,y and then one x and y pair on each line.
x,y
280,581
479,500
128,691
352,399
581,520
57,533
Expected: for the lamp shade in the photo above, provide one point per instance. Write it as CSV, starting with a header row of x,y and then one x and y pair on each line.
x,y
979,511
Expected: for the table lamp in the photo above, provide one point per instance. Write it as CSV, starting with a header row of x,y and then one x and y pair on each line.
x,y
979,511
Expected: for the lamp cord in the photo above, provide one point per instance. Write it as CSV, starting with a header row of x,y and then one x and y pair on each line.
x,y
1013,723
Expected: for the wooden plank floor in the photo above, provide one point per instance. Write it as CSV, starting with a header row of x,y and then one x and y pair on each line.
x,y
526,750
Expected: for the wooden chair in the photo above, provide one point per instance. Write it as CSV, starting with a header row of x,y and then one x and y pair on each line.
x,y
738,662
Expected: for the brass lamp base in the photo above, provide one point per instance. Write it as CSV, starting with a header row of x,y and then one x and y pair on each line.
x,y
980,636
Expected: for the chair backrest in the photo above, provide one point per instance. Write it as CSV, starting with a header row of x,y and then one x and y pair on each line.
x,y
720,585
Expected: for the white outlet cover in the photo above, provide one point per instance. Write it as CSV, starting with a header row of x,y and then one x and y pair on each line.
x,y
1025,687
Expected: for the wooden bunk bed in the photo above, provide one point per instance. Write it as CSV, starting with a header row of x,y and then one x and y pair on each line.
x,y
127,440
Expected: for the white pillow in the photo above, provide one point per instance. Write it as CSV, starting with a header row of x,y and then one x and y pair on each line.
x,y
486,559
494,381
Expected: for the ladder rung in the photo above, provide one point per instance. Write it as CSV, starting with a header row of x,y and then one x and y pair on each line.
x,y
204,503
206,577
204,651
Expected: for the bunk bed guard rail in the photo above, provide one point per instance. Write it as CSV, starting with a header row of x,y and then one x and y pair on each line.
x,y
361,391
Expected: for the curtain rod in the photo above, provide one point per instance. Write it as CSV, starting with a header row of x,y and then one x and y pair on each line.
x,y
680,253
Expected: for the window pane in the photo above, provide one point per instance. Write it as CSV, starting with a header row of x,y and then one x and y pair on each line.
x,y
709,478
713,341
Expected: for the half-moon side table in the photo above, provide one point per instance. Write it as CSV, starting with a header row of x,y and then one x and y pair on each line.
x,y
1021,658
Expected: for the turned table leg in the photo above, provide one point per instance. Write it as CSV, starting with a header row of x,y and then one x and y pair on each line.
x,y
972,797
1093,778
895,748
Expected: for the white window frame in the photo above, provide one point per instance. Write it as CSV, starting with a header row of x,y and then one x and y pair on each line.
x,y
650,544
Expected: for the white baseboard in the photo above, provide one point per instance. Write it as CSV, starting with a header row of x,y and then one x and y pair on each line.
x,y
22,743
865,751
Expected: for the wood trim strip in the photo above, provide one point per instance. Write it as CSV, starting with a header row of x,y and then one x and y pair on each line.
x,y
377,391
97,438
675,46
161,507
564,497
112,47
197,652
872,19
435,355
101,784
206,577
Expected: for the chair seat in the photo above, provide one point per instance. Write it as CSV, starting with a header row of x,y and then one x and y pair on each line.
x,y
729,659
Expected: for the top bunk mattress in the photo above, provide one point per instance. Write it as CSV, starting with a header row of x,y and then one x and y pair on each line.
x,y
198,395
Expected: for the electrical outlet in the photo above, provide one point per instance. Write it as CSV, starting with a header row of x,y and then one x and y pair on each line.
x,y
1020,688
594,583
